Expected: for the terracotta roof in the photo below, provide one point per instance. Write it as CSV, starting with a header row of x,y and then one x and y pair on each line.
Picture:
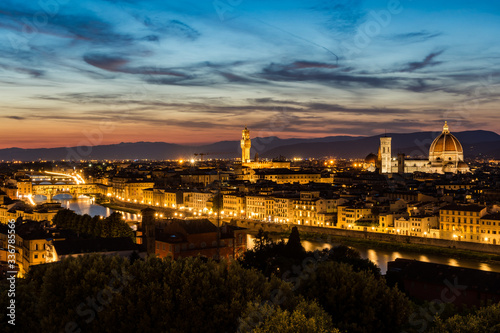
x,y
201,226
446,142
76,246
463,208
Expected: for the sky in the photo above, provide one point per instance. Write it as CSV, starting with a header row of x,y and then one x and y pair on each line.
x,y
93,72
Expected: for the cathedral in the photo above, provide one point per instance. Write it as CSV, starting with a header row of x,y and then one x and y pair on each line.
x,y
445,155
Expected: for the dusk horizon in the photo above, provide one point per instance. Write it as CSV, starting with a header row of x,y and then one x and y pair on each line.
x,y
89,140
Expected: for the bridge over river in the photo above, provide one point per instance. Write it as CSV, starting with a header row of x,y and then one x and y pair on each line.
x,y
50,184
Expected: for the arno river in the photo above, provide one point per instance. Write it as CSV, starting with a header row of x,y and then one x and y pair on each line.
x,y
85,205
382,257
379,257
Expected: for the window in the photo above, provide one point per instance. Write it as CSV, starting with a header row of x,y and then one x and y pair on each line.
x,y
36,256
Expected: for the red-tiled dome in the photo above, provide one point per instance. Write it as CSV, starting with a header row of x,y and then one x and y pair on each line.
x,y
446,142
371,158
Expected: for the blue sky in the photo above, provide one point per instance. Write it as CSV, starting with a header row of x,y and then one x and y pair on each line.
x,y
101,72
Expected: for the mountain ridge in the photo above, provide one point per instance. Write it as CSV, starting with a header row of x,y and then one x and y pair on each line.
x,y
475,143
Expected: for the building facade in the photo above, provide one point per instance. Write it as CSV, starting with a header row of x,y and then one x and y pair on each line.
x,y
445,155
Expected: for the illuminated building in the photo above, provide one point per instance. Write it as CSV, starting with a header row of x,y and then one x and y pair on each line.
x,y
311,209
246,144
287,176
42,212
162,198
462,222
246,161
196,200
490,229
445,155
283,209
233,205
256,207
130,188
348,216
32,243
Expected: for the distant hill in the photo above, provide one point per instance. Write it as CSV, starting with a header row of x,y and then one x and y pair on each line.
x,y
475,143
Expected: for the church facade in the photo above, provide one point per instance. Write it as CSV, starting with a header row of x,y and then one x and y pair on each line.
x,y
446,154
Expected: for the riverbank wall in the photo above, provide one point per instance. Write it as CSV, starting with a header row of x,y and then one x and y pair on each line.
x,y
375,236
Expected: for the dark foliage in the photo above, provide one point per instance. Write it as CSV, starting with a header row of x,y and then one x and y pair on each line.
x,y
357,301
110,294
293,247
279,258
85,225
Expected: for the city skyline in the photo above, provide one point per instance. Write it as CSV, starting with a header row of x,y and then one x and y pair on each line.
x,y
189,73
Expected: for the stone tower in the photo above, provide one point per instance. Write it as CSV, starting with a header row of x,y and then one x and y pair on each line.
x,y
245,146
385,154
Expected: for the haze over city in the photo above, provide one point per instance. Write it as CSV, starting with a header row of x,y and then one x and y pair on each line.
x,y
197,72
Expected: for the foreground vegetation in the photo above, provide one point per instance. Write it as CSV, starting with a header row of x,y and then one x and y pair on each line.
x,y
275,287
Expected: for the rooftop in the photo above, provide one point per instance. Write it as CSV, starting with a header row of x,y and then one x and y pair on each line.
x,y
463,208
76,246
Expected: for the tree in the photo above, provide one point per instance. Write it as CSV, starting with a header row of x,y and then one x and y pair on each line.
x,y
217,202
485,319
278,258
345,254
262,240
306,317
108,294
357,301
85,225
293,247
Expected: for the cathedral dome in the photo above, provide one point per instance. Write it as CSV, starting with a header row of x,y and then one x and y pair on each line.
x,y
445,143
371,158
446,153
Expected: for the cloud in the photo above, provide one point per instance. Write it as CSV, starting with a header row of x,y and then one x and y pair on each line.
x,y
30,71
234,78
15,117
119,64
106,62
416,36
427,62
311,64
331,76
341,15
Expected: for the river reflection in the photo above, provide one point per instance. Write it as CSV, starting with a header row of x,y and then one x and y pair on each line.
x,y
85,205
382,257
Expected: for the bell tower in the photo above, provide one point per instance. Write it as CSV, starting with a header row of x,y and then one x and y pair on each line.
x,y
245,146
385,154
